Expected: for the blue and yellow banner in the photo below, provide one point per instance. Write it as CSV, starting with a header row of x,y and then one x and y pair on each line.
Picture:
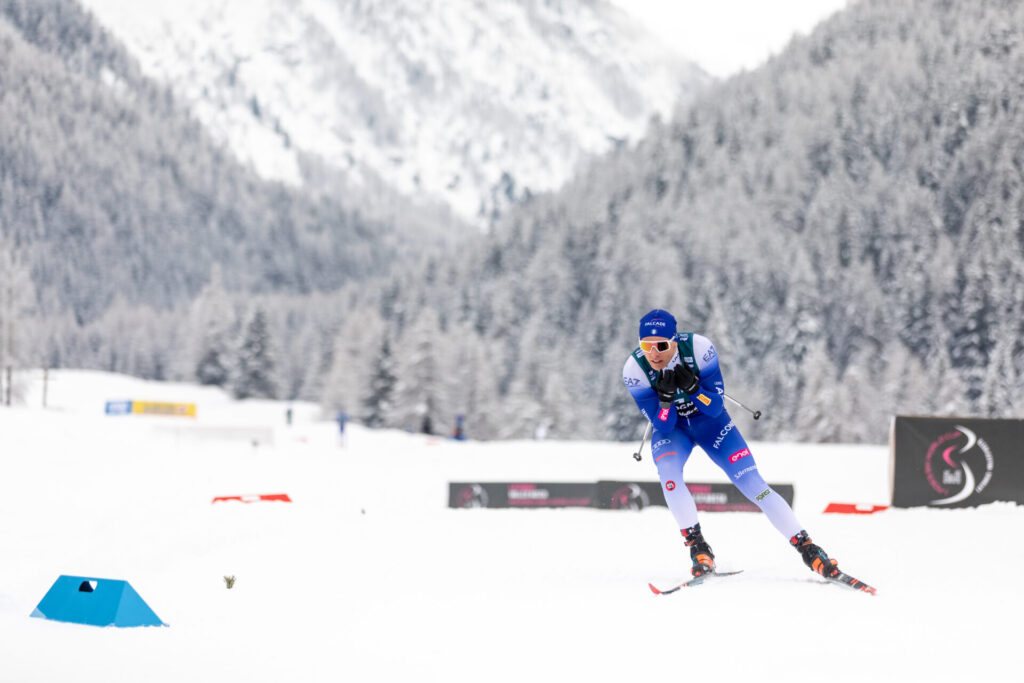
x,y
151,408
158,408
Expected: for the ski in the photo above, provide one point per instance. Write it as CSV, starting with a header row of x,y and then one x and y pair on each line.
x,y
845,579
692,582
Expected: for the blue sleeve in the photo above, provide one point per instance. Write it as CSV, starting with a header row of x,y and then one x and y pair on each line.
x,y
646,398
709,398
663,419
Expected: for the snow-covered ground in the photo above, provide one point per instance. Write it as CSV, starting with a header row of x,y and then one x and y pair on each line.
x,y
368,576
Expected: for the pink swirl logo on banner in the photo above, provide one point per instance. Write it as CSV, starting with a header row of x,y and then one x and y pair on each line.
x,y
953,462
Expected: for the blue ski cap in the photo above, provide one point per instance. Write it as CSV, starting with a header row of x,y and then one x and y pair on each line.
x,y
658,323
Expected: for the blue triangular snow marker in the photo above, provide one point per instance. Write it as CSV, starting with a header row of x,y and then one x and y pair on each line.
x,y
99,602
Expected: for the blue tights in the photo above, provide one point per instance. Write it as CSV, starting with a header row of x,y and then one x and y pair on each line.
x,y
721,440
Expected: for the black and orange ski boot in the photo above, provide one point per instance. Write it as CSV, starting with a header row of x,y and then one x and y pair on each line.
x,y
814,557
700,552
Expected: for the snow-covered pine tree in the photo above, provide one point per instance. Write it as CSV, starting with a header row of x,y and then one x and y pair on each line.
x,y
212,322
17,296
1002,383
255,373
418,400
350,369
821,397
472,382
140,341
378,408
212,365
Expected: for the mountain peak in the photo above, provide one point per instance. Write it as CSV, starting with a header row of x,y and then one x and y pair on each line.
x,y
476,105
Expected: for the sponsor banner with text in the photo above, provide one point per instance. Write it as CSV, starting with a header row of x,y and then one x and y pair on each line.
x,y
609,495
128,407
118,408
956,462
716,497
520,495
159,408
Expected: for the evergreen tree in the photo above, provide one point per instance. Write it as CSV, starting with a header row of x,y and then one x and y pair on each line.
x,y
17,300
378,406
212,368
212,322
821,398
1002,382
419,400
255,374
350,371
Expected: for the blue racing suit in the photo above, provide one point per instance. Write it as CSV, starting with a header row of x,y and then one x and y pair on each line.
x,y
699,419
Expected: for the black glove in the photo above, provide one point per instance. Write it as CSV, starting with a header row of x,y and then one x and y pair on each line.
x,y
666,387
679,377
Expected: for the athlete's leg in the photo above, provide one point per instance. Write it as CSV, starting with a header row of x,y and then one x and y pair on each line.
x,y
670,452
726,447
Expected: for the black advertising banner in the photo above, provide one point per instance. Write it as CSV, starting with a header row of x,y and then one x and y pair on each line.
x,y
956,462
636,495
609,495
519,495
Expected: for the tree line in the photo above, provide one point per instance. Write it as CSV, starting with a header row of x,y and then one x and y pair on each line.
x,y
845,223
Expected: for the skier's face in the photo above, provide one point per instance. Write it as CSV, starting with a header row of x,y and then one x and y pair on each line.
x,y
658,359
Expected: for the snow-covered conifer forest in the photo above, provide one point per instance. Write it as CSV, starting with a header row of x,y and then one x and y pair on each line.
x,y
846,223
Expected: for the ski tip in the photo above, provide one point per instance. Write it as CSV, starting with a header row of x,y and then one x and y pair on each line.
x,y
653,589
845,579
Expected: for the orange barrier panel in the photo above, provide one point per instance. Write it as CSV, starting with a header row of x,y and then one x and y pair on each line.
x,y
283,497
854,508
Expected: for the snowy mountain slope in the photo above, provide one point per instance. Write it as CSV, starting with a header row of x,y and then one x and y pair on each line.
x,y
473,103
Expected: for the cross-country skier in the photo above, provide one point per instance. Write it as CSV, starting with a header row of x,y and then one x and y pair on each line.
x,y
677,384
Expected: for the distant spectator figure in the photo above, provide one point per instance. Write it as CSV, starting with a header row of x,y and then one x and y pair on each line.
x,y
541,432
288,416
427,427
341,418
459,434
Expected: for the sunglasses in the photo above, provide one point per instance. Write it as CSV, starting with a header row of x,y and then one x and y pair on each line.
x,y
648,346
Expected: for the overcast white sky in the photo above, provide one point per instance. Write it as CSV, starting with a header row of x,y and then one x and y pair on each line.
x,y
725,36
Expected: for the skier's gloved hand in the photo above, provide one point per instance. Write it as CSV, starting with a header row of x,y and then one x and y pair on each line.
x,y
666,387
681,377
687,380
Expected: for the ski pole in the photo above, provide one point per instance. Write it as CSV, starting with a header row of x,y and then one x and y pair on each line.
x,y
647,432
755,413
